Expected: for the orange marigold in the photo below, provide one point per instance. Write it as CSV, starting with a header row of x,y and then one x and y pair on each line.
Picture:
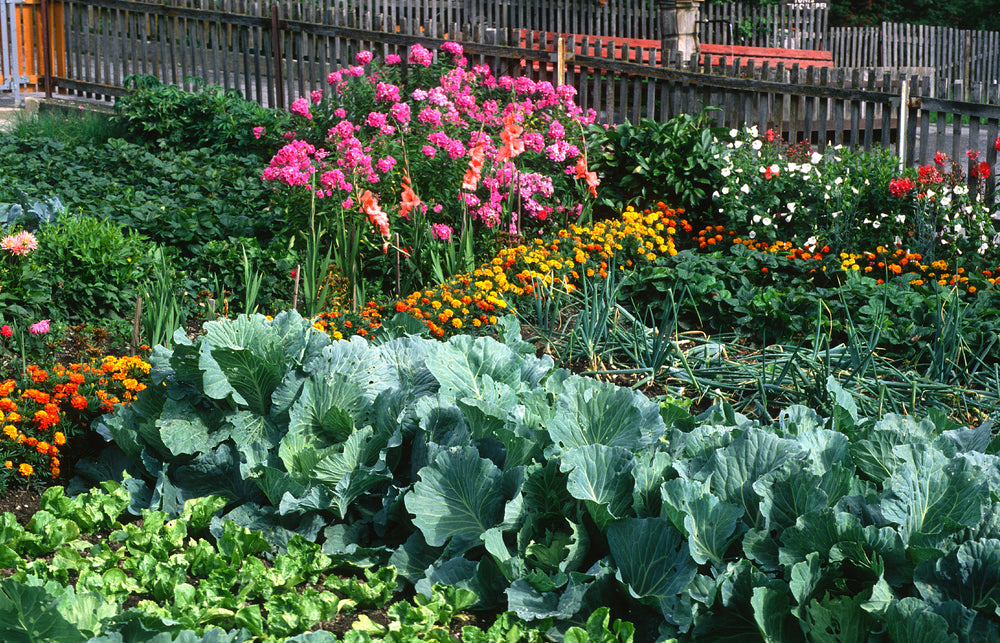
x,y
25,469
79,402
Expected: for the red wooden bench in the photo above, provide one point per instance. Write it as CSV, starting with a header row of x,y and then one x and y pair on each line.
x,y
546,40
760,55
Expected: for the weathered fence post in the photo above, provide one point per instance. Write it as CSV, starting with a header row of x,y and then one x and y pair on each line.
x,y
46,50
904,109
276,53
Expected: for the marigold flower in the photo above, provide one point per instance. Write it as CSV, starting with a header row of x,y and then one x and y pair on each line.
x,y
8,464
58,438
25,469
78,402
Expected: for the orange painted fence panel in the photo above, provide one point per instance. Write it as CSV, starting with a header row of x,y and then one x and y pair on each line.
x,y
28,29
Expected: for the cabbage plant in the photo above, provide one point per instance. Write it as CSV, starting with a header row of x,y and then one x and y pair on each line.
x,y
476,464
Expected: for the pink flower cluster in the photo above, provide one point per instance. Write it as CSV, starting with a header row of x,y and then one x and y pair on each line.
x,y
20,244
507,150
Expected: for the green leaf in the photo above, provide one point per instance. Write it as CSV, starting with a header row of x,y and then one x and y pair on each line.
x,y
457,496
838,619
328,408
652,558
735,468
591,412
912,621
183,430
31,615
771,612
710,523
601,475
969,575
460,364
931,494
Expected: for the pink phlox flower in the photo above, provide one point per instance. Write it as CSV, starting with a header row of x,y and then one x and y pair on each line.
x,y
364,57
340,112
566,92
342,130
300,107
441,231
437,96
39,328
453,48
288,136
428,151
439,138
375,119
386,163
940,158
455,149
387,130
561,150
258,131
355,72
348,203
401,112
392,59
387,93
316,95
419,94
293,164
533,141
420,55
334,179
430,116
334,77
557,131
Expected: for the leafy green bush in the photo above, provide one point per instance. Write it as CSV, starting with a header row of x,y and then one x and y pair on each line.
x,y
182,199
675,162
93,268
167,116
476,464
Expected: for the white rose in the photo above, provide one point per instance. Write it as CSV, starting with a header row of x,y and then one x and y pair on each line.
x,y
745,189
816,158
766,220
756,145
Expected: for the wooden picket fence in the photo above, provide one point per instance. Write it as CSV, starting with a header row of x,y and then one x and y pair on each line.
x,y
962,57
775,25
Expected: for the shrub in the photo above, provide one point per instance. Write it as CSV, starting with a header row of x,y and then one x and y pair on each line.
x,y
167,116
93,268
676,161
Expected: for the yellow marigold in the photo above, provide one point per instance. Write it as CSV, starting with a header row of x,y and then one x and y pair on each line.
x,y
25,469
10,431
8,464
456,322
